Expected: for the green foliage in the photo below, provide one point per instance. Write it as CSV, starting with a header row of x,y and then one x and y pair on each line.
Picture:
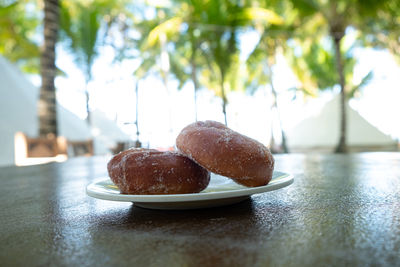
x,y
167,28
259,66
339,14
273,37
203,37
317,62
358,87
180,65
80,26
258,14
17,35
383,30
148,54
315,66
221,43
82,23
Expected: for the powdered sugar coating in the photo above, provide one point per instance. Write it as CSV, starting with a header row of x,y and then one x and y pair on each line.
x,y
148,171
226,152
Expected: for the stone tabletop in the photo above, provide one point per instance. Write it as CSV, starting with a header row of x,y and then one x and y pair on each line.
x,y
341,210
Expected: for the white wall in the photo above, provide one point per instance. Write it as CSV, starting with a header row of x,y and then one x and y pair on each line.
x,y
322,129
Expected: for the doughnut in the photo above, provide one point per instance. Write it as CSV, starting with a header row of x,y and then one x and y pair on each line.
x,y
225,152
151,172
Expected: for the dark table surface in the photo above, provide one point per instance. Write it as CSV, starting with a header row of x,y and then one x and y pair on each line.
x,y
341,210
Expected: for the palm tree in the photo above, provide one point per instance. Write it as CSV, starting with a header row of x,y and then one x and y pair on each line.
x,y
223,41
218,60
81,24
47,102
206,51
222,46
185,61
152,47
141,73
335,17
315,68
187,47
260,63
262,59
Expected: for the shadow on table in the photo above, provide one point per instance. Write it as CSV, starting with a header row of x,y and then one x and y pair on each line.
x,y
223,236
244,208
245,219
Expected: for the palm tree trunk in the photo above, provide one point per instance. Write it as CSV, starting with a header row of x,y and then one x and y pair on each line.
x,y
194,71
169,101
285,148
224,102
342,145
165,69
47,108
137,113
272,142
223,96
195,84
88,118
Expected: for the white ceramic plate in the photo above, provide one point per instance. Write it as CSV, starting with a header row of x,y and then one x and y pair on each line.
x,y
221,191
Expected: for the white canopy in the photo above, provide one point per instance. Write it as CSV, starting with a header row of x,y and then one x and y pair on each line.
x,y
322,129
18,112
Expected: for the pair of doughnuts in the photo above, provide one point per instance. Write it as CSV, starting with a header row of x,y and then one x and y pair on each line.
x,y
204,147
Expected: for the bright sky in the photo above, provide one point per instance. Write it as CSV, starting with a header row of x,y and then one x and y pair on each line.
x,y
112,91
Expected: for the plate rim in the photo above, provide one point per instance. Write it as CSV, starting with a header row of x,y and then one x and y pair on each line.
x,y
283,180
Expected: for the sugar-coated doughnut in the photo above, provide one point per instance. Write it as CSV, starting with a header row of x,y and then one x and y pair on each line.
x,y
148,171
226,152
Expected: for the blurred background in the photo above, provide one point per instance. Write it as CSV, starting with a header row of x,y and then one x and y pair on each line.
x,y
96,77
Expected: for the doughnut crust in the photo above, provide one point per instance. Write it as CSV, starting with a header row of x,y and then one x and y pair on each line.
x,y
152,172
226,152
